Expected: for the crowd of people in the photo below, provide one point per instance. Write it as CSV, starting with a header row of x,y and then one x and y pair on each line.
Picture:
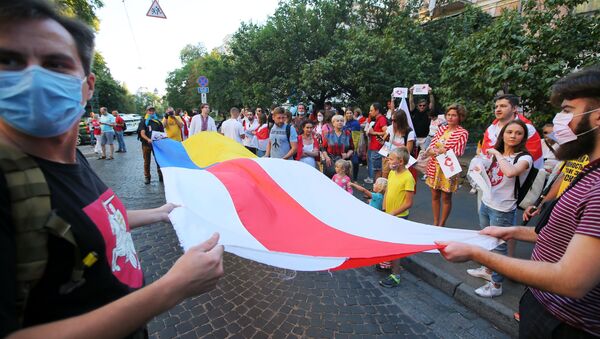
x,y
338,141
62,221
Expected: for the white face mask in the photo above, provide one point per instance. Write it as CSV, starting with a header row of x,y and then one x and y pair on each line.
x,y
562,132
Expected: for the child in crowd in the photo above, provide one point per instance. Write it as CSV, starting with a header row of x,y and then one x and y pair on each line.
x,y
343,170
376,200
398,198
375,197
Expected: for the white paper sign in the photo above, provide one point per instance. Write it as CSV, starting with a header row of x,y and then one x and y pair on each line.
x,y
385,149
158,135
400,92
421,89
411,161
449,164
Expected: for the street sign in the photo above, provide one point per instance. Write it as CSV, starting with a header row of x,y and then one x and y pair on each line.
x,y
203,81
204,98
155,11
202,90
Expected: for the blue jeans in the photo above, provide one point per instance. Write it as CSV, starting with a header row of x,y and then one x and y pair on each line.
x,y
260,153
491,217
121,141
374,163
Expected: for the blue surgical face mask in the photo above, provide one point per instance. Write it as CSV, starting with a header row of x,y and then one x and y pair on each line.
x,y
39,102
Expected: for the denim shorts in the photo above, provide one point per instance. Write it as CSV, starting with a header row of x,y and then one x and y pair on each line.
x,y
107,138
375,160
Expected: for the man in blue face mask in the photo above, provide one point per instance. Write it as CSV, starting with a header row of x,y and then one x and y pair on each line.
x,y
87,275
563,275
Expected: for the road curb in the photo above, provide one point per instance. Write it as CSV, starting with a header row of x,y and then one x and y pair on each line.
x,y
493,311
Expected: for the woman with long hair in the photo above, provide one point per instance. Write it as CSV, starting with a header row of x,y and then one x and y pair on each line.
x,y
396,135
449,137
308,145
262,135
510,161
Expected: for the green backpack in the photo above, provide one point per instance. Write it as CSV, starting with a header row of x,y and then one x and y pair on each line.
x,y
33,219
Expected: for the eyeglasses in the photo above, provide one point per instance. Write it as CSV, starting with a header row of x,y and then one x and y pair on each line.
x,y
422,105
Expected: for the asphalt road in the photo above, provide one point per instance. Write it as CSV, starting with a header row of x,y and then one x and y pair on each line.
x,y
257,301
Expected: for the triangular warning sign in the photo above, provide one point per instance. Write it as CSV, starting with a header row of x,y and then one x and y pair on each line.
x,y
156,11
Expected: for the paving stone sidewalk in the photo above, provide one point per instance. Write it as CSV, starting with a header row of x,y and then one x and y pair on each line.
x,y
257,301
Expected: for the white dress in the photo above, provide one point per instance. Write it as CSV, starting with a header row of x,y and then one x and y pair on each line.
x,y
309,160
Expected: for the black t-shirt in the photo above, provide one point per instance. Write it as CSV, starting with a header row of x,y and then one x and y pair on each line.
x,y
99,223
153,125
421,122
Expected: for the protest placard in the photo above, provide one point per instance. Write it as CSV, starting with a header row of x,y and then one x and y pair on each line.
x,y
400,92
449,163
421,89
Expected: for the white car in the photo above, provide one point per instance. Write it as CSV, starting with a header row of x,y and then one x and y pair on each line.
x,y
131,122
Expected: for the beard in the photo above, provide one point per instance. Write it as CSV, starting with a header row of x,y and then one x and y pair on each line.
x,y
584,144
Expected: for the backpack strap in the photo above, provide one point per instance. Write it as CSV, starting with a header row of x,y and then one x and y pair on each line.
x,y
517,180
33,220
288,132
550,147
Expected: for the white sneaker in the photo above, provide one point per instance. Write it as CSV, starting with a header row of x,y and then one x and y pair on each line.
x,y
480,272
368,180
423,178
489,290
473,190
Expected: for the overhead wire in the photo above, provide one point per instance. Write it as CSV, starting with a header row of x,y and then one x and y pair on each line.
x,y
137,48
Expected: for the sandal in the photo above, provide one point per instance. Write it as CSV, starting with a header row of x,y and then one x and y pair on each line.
x,y
110,158
101,158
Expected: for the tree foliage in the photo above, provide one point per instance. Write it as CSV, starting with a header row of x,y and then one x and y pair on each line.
x,y
312,50
521,53
83,9
109,92
355,52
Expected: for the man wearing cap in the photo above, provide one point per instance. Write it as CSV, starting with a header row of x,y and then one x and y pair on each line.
x,y
147,126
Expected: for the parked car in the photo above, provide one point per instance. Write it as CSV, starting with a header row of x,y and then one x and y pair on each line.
x,y
83,137
131,122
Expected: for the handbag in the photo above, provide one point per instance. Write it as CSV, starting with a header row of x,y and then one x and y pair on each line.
x,y
422,161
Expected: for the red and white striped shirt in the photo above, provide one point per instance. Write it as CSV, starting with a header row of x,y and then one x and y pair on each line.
x,y
577,212
456,142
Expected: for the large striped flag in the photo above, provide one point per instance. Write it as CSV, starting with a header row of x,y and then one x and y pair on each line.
x,y
282,213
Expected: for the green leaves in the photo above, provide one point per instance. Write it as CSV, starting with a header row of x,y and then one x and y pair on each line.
x,y
520,53
108,91
355,52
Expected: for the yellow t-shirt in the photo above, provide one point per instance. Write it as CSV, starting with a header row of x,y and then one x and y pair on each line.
x,y
397,186
570,171
172,129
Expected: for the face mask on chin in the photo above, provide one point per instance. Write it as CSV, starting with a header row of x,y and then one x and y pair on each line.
x,y
39,102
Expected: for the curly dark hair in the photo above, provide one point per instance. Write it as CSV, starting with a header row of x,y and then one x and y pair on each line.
x,y
581,84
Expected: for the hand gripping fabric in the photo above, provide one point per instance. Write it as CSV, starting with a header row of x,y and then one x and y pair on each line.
x,y
33,219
